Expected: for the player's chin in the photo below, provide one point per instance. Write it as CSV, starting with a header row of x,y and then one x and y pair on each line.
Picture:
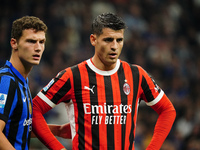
x,y
113,60
35,62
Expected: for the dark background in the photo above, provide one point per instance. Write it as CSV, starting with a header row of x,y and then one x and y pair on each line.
x,y
163,36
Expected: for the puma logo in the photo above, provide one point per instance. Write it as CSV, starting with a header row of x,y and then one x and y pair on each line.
x,y
91,89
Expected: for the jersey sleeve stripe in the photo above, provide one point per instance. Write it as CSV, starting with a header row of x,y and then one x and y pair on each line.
x,y
10,98
45,99
157,99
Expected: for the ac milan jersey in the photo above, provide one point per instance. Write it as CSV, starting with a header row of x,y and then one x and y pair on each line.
x,y
102,105
15,107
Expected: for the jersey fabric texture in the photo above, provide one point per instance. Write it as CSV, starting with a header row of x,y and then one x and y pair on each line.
x,y
102,106
15,107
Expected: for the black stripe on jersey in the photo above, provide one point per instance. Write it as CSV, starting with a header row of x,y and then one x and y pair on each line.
x,y
60,74
78,97
93,101
12,75
154,82
6,73
29,136
10,96
135,73
26,127
147,90
16,116
109,101
4,68
61,92
121,77
17,79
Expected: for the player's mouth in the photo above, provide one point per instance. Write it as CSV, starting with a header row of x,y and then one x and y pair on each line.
x,y
113,55
36,57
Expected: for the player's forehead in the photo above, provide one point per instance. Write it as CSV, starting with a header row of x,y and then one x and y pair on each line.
x,y
110,33
33,34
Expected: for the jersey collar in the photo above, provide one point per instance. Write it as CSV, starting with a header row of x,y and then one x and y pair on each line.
x,y
102,72
16,72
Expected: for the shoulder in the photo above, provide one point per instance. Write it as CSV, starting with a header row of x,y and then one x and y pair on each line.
x,y
78,66
7,82
69,71
6,74
134,67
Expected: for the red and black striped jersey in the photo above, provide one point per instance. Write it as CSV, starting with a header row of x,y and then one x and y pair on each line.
x,y
101,105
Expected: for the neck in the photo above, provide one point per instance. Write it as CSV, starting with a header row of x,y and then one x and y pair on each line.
x,y
102,66
20,66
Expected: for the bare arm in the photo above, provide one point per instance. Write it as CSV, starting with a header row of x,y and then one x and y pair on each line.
x,y
63,131
6,144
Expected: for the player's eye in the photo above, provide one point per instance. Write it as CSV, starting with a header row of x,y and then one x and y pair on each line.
x,y
108,39
42,41
31,41
119,40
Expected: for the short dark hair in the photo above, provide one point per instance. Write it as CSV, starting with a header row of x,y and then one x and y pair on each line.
x,y
107,20
27,22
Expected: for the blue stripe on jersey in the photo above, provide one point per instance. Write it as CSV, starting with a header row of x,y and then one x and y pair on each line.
x,y
17,109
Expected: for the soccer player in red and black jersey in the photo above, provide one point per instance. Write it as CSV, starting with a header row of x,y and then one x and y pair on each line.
x,y
102,96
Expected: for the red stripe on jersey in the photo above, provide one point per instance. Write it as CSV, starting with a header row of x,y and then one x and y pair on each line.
x,y
86,99
69,74
129,80
137,98
116,101
101,101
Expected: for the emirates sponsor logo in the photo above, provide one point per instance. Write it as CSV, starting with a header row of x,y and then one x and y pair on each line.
x,y
107,114
106,109
109,119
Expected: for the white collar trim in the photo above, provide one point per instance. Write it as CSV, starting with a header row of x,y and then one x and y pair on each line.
x,y
102,72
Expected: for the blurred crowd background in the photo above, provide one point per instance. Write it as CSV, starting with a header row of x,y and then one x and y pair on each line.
x,y
163,36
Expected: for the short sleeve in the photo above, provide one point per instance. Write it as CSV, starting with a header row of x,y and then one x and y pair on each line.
x,y
7,96
151,92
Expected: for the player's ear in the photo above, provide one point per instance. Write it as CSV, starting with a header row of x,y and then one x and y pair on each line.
x,y
13,43
93,39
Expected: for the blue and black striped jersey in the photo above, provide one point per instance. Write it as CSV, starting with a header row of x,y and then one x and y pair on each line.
x,y
15,107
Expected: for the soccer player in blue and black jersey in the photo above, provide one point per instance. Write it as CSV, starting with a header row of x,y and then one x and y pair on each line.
x,y
27,43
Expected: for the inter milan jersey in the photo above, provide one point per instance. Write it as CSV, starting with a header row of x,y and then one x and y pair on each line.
x,y
15,107
102,105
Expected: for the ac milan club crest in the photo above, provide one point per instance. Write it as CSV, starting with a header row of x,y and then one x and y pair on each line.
x,y
126,88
